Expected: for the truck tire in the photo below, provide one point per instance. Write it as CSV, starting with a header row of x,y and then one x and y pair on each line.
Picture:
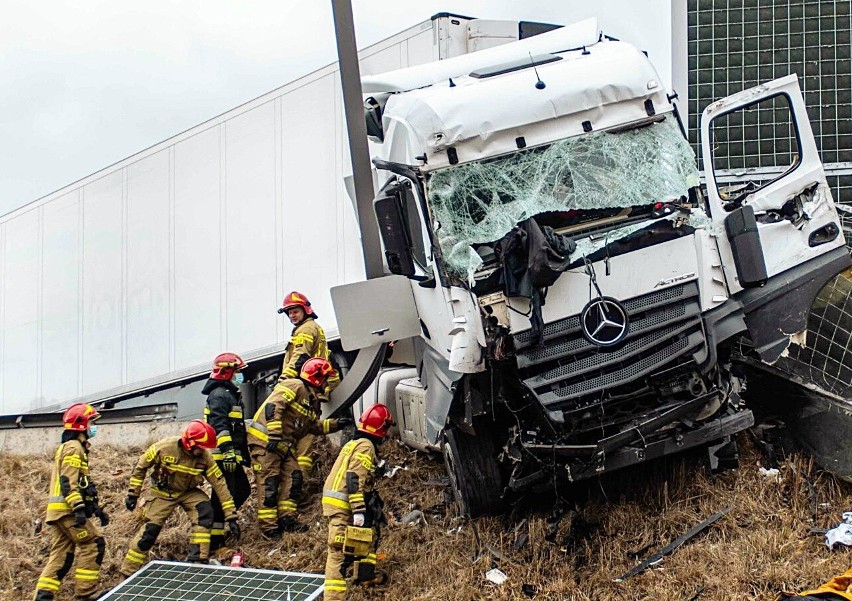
x,y
474,473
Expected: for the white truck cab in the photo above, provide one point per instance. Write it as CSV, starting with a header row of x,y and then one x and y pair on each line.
x,y
576,297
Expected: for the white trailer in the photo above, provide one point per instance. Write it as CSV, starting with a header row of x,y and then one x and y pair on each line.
x,y
131,279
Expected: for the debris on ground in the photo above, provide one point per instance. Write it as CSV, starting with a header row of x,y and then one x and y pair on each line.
x,y
840,534
674,545
496,576
571,547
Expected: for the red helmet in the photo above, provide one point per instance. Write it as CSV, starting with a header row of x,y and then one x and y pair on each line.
x,y
225,364
296,299
77,417
200,433
376,420
316,370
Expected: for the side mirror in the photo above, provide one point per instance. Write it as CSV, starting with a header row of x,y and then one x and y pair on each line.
x,y
394,231
373,116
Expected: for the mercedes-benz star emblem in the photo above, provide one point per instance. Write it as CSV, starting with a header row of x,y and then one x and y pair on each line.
x,y
604,321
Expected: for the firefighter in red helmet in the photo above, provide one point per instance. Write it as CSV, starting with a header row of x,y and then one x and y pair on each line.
x,y
353,507
307,340
226,413
71,504
179,465
286,416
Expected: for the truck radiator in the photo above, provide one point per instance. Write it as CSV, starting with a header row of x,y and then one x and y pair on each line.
x,y
566,372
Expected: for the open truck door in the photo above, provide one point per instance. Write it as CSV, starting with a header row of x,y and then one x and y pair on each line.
x,y
765,183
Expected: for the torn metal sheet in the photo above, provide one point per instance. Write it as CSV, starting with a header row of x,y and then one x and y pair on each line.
x,y
673,546
476,203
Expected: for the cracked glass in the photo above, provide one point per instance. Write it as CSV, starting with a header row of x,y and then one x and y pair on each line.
x,y
479,202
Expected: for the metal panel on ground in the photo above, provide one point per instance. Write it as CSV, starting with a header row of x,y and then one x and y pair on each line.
x,y
173,581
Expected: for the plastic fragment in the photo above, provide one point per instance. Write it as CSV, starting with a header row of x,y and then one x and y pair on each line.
x,y
496,576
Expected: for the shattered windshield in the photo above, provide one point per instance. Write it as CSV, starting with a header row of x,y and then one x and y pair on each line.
x,y
479,202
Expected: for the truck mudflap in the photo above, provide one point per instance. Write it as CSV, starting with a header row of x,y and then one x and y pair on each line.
x,y
359,377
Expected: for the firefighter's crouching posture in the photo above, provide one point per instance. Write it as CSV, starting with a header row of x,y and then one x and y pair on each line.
x,y
353,507
290,412
307,340
71,503
225,412
180,463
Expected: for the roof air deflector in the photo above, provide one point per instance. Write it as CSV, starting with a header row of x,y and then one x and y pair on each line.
x,y
515,65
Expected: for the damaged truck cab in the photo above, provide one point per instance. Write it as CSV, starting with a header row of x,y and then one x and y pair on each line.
x,y
576,295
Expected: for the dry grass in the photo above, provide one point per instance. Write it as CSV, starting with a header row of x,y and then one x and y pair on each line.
x,y
761,547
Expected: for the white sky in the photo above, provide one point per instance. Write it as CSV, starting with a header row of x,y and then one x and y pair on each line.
x,y
86,83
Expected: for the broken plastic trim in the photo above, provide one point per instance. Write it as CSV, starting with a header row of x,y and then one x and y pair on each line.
x,y
479,202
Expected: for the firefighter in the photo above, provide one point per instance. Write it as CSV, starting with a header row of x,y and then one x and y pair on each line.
x,y
307,340
180,464
70,505
290,412
225,412
349,499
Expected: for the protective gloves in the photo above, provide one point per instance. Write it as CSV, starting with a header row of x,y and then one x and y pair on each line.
x,y
345,422
103,517
234,529
278,446
79,516
229,461
130,502
358,519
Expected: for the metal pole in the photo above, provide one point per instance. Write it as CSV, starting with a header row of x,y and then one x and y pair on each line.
x,y
353,104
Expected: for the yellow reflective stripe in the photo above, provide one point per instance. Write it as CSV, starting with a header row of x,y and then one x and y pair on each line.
x,y
223,439
365,460
305,461
356,497
335,585
228,505
74,498
199,537
235,414
287,393
176,467
346,451
302,338
217,532
287,505
326,500
135,556
267,513
86,575
371,558
290,372
58,507
135,481
326,426
258,434
73,461
48,584
273,425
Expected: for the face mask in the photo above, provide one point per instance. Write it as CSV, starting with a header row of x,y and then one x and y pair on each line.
x,y
93,429
238,378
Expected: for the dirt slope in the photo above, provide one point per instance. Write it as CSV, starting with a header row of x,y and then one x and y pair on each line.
x,y
762,546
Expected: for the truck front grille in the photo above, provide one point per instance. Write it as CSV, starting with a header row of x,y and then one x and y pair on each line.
x,y
568,373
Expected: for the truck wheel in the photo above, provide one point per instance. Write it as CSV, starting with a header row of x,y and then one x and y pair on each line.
x,y
475,477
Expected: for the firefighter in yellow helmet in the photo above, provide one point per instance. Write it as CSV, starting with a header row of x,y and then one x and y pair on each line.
x,y
353,508
288,414
180,465
72,501
307,340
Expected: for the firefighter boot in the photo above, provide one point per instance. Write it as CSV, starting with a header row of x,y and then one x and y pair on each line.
x,y
367,574
289,524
